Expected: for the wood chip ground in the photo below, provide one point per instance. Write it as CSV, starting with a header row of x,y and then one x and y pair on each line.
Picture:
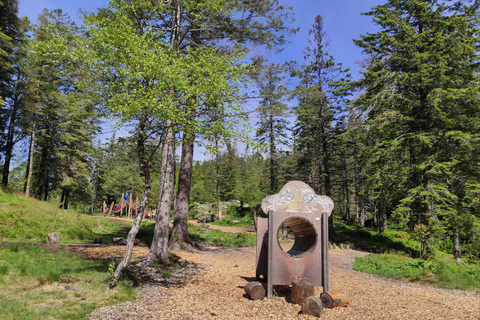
x,y
217,293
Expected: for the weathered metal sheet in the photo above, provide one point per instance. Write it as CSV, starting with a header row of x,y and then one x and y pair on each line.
x,y
298,207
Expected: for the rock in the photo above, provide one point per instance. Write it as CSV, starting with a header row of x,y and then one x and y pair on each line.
x,y
67,279
199,210
72,288
53,237
235,221
98,240
207,218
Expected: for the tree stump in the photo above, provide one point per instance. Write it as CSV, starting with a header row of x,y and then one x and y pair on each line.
x,y
53,237
302,288
312,306
333,299
255,290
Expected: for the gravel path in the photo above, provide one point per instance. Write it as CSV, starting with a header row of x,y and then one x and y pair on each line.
x,y
217,293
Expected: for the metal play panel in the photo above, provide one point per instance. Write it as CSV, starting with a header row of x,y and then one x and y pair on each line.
x,y
306,213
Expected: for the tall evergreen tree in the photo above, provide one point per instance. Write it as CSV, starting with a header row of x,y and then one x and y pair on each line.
x,y
12,78
272,112
421,98
319,110
319,116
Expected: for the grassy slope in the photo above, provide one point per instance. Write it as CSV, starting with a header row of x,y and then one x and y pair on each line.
x,y
24,219
33,281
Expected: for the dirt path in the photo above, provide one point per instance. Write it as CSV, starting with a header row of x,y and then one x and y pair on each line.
x,y
218,293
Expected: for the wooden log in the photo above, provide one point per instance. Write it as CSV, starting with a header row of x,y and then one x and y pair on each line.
x,y
347,246
53,237
342,246
255,290
333,299
312,306
334,246
302,288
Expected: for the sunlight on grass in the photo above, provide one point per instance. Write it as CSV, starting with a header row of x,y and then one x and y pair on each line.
x,y
44,285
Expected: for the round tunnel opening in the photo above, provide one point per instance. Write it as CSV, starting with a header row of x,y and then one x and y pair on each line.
x,y
301,232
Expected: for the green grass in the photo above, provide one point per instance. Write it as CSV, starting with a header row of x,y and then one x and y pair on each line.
x,y
217,237
243,217
24,219
32,285
440,272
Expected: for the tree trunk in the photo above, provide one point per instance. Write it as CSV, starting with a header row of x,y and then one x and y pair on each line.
x,y
180,222
272,157
159,247
457,249
67,199
10,143
28,178
62,198
217,186
144,166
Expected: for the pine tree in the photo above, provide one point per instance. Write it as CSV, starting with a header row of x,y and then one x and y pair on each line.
x,y
318,111
272,112
421,99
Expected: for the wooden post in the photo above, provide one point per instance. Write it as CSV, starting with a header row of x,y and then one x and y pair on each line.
x,y
136,207
302,288
130,207
122,201
111,208
255,290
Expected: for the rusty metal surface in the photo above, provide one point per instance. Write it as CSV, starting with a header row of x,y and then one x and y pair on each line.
x,y
306,213
307,264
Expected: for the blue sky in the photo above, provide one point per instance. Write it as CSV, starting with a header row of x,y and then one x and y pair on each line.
x,y
342,18
342,22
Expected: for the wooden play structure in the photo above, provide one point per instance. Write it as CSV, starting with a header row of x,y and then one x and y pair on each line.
x,y
130,207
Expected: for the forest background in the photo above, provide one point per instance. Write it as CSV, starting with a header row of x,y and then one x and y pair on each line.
x,y
395,147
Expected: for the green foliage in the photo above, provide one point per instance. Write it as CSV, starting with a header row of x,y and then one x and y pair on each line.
x,y
414,127
440,272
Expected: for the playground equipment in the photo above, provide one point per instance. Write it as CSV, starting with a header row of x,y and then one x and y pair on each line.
x,y
306,214
117,208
